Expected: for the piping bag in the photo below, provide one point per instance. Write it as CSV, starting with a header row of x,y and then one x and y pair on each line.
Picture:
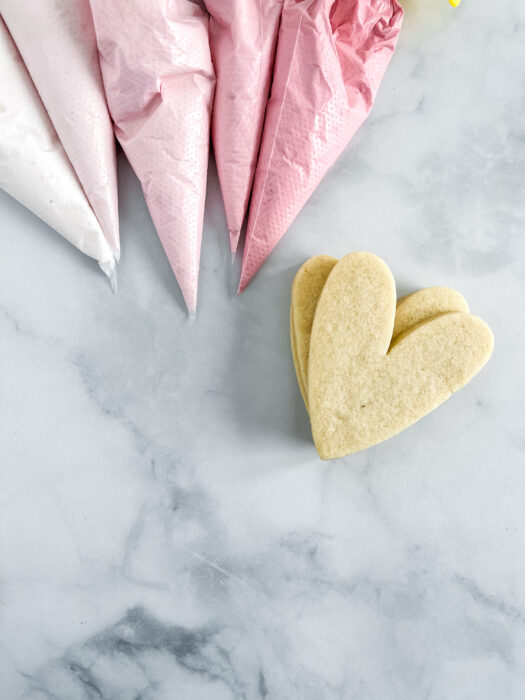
x,y
243,37
58,45
331,58
159,82
34,168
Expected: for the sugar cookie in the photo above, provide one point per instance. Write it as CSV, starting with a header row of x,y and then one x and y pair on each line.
x,y
360,392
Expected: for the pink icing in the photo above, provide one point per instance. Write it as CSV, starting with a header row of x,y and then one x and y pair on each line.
x,y
159,83
331,57
243,36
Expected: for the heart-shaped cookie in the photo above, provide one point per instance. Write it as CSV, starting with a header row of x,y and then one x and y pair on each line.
x,y
361,386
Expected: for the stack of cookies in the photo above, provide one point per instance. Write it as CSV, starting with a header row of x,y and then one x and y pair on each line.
x,y
369,367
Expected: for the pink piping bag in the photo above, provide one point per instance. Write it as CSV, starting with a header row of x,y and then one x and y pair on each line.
x,y
58,45
331,58
34,168
159,82
243,37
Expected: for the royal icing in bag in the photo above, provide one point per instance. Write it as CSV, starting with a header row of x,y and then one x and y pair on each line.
x,y
243,36
331,58
34,168
159,82
58,45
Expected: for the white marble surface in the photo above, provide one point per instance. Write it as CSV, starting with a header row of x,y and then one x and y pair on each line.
x,y
167,531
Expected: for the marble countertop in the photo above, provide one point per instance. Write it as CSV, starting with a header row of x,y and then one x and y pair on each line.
x,y
167,530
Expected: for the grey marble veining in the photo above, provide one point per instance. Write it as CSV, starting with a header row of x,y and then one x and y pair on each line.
x,y
166,529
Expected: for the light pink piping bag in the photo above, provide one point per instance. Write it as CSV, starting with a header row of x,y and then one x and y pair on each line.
x,y
243,37
159,82
331,58
34,168
57,42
